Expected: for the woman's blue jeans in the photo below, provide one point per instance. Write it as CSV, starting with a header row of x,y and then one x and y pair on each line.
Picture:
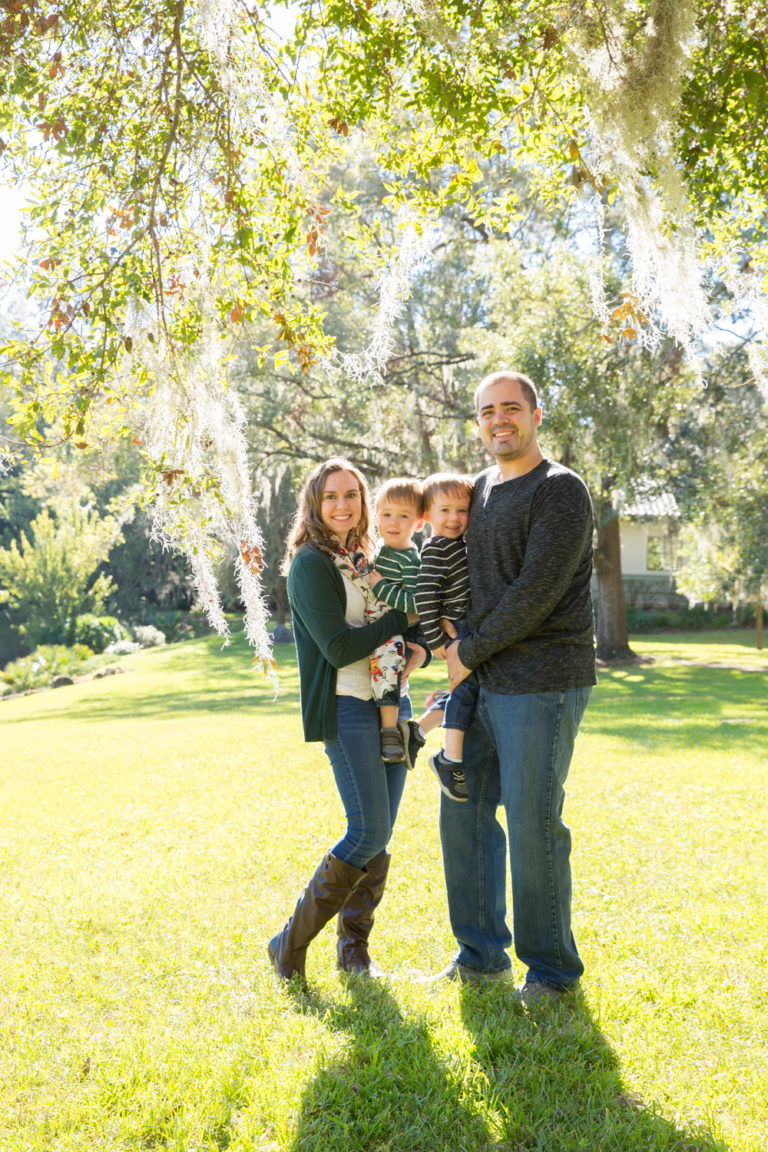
x,y
516,753
370,790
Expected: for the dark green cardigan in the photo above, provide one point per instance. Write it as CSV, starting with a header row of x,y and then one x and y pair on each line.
x,y
324,640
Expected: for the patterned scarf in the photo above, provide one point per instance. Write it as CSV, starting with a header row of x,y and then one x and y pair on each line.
x,y
354,566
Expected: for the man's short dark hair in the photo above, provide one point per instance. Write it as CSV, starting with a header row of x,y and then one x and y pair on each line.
x,y
527,386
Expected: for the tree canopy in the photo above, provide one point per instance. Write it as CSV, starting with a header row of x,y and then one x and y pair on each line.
x,y
183,163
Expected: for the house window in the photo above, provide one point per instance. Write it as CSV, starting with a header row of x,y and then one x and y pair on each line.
x,y
654,561
661,552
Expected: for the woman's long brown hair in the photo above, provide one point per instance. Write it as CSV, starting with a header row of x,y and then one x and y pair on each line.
x,y
307,524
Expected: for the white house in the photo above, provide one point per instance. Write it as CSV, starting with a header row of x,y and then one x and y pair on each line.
x,y
649,550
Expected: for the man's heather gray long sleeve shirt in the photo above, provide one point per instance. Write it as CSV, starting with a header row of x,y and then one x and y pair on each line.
x,y
529,551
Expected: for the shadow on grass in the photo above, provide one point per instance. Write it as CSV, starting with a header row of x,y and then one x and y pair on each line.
x,y
552,1081
174,703
197,677
388,1089
165,705
549,1082
680,706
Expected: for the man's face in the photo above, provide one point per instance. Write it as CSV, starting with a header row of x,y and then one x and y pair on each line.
x,y
507,422
396,522
448,514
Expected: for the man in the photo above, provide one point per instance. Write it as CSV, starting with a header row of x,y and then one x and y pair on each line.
x,y
531,642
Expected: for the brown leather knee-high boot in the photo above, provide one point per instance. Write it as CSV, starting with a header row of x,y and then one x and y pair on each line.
x,y
319,902
355,919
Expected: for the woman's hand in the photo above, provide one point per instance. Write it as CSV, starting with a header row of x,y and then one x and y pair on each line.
x,y
413,617
373,578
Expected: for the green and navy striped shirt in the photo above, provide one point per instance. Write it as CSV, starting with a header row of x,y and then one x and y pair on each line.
x,y
398,568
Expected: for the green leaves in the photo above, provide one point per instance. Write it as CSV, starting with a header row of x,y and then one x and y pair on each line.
x,y
182,161
155,144
49,576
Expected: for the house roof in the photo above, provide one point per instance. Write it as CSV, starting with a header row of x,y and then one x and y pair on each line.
x,y
651,506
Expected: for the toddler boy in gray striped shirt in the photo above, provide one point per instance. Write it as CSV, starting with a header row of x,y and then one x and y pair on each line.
x,y
442,593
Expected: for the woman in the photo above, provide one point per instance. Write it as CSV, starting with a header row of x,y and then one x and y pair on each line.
x,y
326,563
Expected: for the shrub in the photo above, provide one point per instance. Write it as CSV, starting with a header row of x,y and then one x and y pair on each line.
x,y
39,668
22,675
173,626
98,632
122,648
49,576
679,619
148,636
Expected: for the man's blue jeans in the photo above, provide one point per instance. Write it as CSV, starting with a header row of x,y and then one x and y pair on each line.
x,y
370,790
517,753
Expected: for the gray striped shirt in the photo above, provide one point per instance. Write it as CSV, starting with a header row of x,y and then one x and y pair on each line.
x,y
442,586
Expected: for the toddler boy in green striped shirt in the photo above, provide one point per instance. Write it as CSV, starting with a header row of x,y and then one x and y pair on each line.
x,y
398,510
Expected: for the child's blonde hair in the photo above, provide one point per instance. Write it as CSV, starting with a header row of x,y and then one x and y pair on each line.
x,y
444,484
403,490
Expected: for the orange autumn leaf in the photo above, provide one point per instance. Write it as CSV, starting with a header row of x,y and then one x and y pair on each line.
x,y
252,557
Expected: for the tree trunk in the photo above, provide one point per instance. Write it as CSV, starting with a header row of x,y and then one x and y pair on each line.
x,y
281,601
759,619
612,637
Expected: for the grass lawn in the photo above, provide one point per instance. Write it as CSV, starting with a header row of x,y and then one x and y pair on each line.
x,y
157,826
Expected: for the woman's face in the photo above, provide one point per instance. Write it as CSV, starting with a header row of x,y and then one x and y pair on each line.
x,y
341,504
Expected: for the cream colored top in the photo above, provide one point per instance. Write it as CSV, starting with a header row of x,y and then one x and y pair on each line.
x,y
354,679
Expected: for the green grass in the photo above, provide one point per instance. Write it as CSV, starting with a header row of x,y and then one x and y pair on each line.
x,y
157,827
